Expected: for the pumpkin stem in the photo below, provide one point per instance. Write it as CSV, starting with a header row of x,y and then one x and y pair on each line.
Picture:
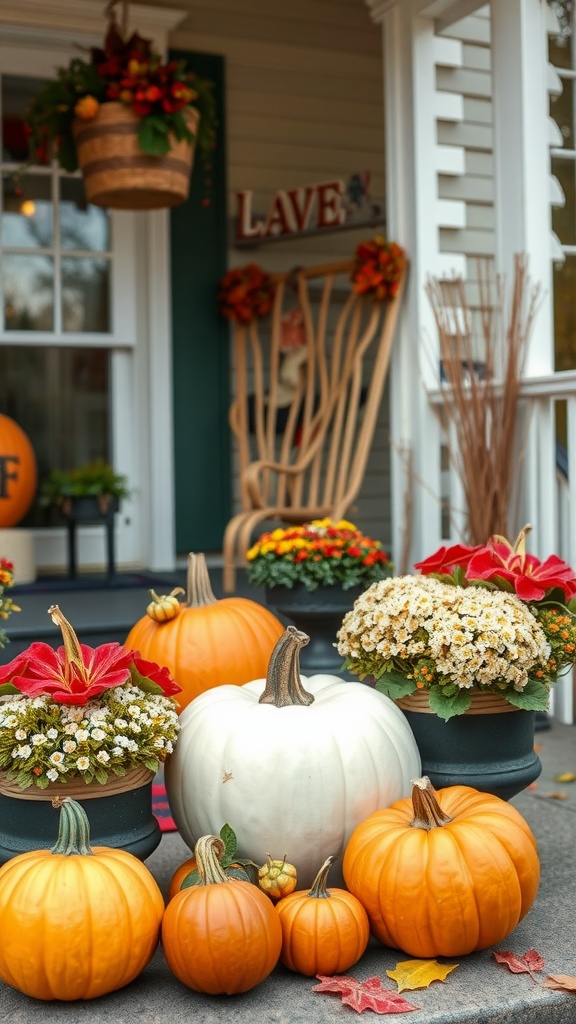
x,y
198,587
319,890
209,851
283,684
73,829
427,811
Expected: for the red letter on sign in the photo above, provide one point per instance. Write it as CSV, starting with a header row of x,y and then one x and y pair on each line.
x,y
245,227
301,200
277,222
330,212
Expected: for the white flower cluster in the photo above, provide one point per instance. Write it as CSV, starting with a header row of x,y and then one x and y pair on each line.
x,y
473,636
124,728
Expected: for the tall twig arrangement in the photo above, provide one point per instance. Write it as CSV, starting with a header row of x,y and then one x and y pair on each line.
x,y
481,387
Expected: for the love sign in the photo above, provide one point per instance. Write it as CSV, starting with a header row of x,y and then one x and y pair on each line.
x,y
291,211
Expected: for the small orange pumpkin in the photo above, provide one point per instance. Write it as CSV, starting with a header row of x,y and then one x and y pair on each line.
x,y
223,935
18,475
324,931
100,906
210,642
443,874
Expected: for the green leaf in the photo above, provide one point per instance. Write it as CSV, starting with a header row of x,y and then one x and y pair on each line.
x,y
534,696
228,837
153,136
7,689
446,706
395,685
192,879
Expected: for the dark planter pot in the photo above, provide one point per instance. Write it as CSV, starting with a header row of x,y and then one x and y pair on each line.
x,y
492,752
90,508
121,820
318,613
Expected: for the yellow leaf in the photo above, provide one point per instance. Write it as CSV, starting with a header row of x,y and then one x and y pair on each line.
x,y
565,777
410,974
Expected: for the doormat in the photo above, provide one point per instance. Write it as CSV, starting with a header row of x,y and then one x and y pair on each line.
x,y
44,584
161,807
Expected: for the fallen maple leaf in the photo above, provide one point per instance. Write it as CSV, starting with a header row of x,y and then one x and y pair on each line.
x,y
364,995
411,974
561,982
527,964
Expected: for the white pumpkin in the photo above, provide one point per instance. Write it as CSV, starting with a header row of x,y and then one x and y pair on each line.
x,y
292,763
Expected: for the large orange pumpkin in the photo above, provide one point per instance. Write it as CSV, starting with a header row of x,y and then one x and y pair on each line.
x,y
443,874
209,642
76,922
18,474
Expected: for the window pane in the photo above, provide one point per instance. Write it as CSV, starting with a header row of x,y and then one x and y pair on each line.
x,y
16,94
27,211
82,226
85,294
28,293
60,397
565,314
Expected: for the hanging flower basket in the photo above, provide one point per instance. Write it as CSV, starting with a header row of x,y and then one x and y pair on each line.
x,y
118,175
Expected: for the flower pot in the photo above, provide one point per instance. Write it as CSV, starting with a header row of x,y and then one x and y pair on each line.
x,y
490,747
119,812
118,175
318,613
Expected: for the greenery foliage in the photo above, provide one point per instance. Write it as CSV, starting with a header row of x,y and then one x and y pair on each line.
x,y
92,478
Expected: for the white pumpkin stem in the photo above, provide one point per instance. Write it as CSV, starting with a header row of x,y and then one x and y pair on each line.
x,y
283,684
319,890
209,851
427,811
198,587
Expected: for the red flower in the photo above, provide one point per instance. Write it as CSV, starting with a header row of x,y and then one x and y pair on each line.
x,y
76,673
446,559
530,577
245,293
379,267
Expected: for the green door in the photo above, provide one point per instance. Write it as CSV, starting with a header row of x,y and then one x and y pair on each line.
x,y
200,341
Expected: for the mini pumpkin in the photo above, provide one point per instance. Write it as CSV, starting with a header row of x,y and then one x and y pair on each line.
x,y
443,874
277,878
209,642
76,922
324,931
165,607
298,762
221,936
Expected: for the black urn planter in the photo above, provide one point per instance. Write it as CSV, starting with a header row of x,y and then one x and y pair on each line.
x,y
490,747
318,613
120,818
92,508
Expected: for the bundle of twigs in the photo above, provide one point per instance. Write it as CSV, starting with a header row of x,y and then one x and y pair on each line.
x,y
481,389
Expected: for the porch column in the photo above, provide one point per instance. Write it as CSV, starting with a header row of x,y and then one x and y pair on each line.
x,y
412,219
522,156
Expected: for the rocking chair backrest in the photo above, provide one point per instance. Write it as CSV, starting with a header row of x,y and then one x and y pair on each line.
x,y
304,416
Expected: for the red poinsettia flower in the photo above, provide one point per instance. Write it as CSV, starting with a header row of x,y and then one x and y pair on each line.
x,y
530,577
446,559
76,673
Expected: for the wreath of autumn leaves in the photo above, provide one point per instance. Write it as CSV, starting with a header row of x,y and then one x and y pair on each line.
x,y
247,293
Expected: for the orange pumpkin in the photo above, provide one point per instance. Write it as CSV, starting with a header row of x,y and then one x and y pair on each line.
x,y
443,874
18,474
324,931
223,935
210,642
76,922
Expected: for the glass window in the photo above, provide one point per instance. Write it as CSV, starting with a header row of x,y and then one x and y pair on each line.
x,y
28,292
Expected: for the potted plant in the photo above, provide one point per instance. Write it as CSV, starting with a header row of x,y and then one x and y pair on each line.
x,y
312,573
91,723
7,605
111,112
94,488
479,632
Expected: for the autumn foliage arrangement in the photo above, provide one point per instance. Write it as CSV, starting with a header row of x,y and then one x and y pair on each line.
x,y
7,605
83,713
379,269
245,294
320,553
488,618
129,71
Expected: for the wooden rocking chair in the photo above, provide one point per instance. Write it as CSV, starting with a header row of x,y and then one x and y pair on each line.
x,y
304,414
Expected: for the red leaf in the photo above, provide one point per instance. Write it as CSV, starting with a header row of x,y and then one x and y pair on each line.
x,y
364,995
527,964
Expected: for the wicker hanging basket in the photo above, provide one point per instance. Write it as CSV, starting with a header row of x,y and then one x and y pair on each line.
x,y
118,175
